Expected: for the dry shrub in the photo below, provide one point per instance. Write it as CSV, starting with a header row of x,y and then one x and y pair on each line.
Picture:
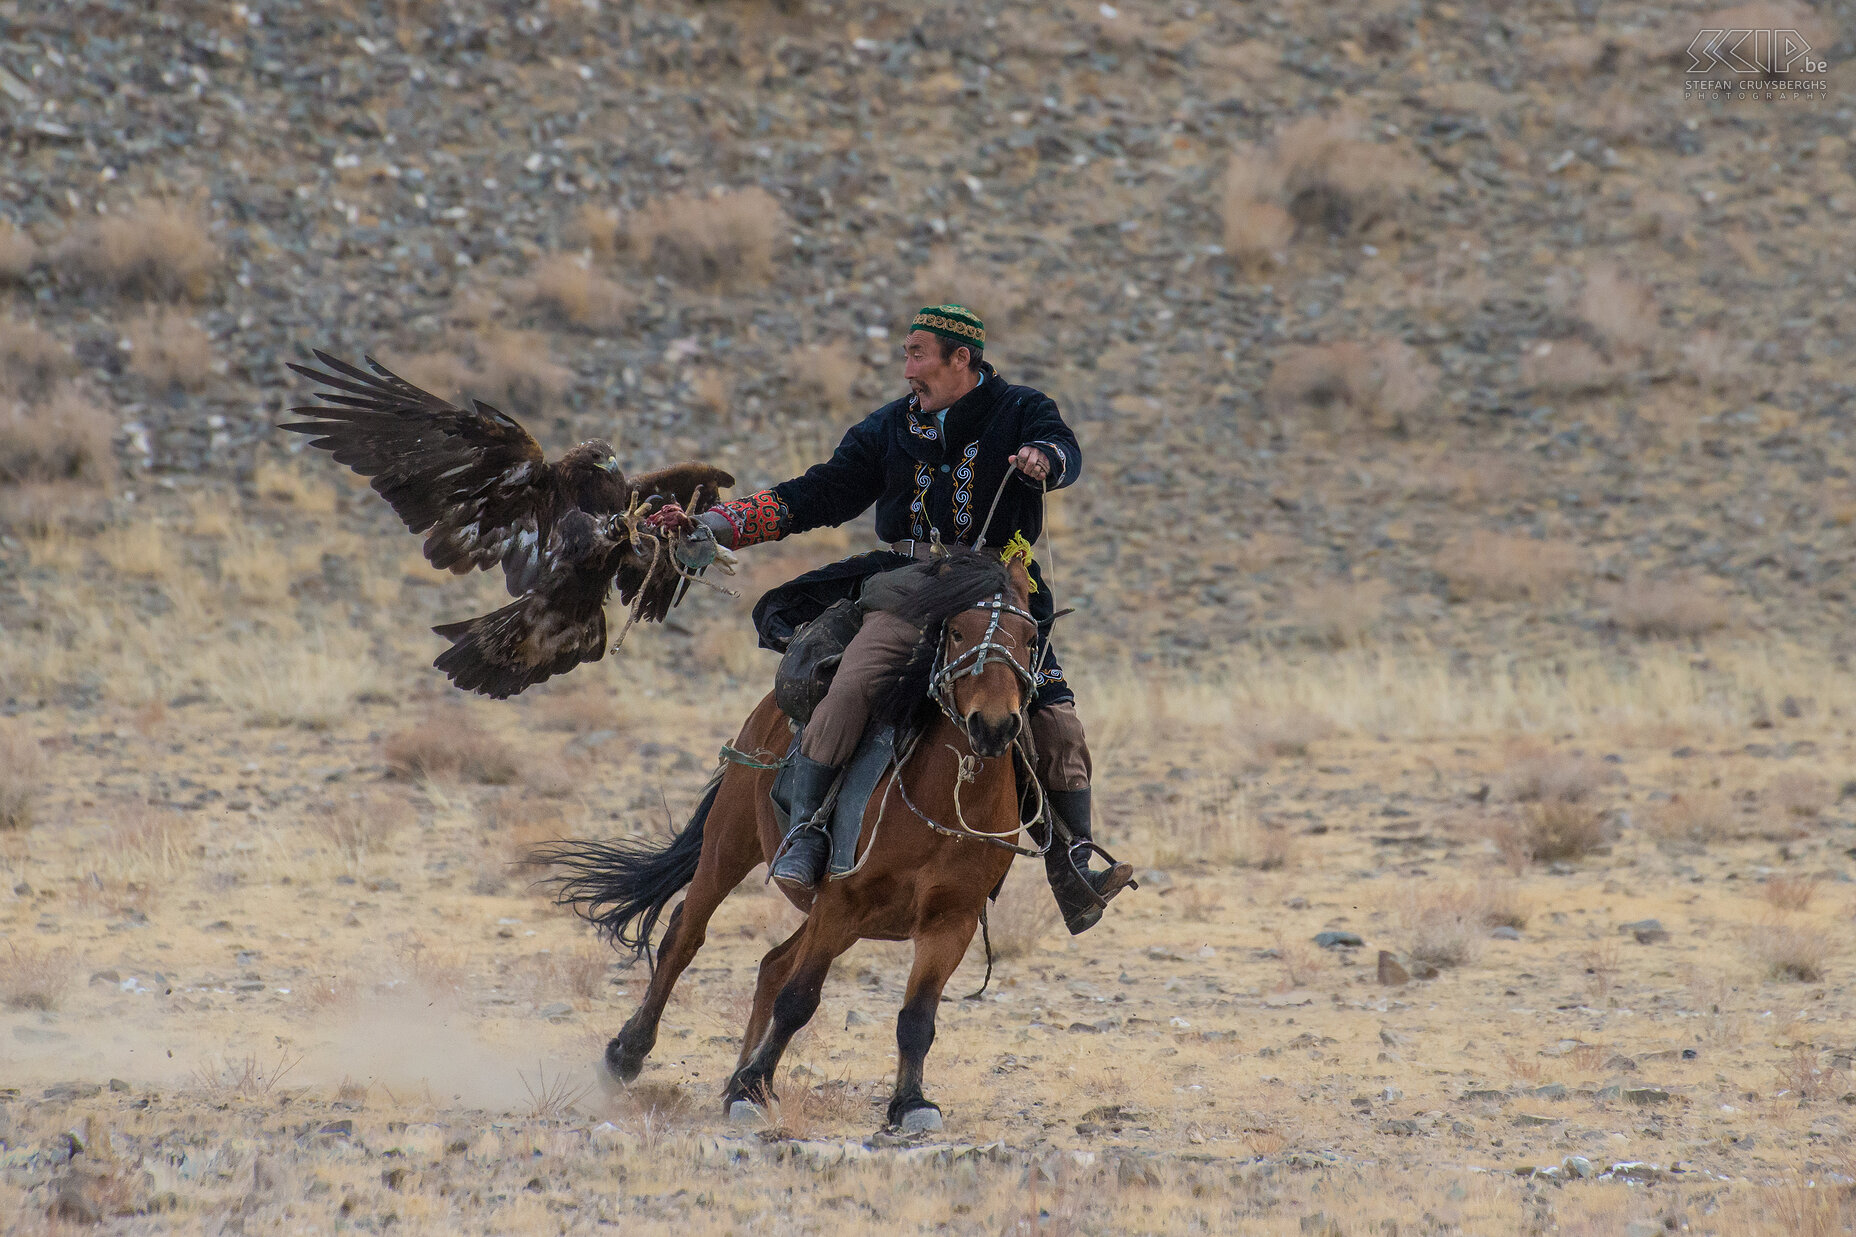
x,y
169,349
1620,311
19,253
442,372
1567,368
1791,893
1548,832
572,294
1670,608
451,746
1694,818
1289,733
709,390
1798,794
581,972
1785,951
34,978
1806,1079
722,240
827,374
1443,927
22,778
595,228
66,439
1499,567
811,1112
1541,774
152,845
150,250
1317,175
1716,363
516,370
245,1077
1339,613
1385,384
290,485
1024,914
32,360
362,826
946,280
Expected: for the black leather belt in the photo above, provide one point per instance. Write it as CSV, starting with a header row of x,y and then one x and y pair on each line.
x,y
913,547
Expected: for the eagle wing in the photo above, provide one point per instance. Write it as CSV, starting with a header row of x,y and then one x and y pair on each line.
x,y
475,482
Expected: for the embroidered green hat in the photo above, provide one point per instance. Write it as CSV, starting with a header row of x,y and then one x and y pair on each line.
x,y
955,322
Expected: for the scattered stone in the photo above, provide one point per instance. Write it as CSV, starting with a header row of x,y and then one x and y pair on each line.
x,y
1155,879
67,1091
1643,1228
1338,940
118,1085
1506,933
1484,1093
857,1018
743,1112
559,1011
1576,1166
1532,1119
1645,1095
1552,1091
921,1120
1647,931
1320,1224
1287,1000
1391,974
338,1129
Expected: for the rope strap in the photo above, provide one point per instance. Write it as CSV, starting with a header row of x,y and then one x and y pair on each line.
x,y
735,755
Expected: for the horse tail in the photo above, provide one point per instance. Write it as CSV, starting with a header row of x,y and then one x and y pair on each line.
x,y
622,888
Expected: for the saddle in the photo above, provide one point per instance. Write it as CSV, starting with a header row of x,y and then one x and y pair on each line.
x,y
862,772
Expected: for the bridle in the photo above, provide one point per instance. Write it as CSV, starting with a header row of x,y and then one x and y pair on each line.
x,y
985,651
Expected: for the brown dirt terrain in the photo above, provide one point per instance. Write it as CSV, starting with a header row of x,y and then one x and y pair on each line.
x,y
1461,564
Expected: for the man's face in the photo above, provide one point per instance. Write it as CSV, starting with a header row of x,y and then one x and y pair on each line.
x,y
935,381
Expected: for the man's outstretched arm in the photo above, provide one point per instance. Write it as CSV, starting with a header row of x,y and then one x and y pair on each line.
x,y
828,494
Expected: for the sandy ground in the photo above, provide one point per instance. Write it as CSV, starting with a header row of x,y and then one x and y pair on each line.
x,y
262,977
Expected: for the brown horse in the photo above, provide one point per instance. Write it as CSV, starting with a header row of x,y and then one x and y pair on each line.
x,y
916,881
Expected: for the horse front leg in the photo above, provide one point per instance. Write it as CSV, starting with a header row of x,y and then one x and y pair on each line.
x,y
730,852
938,952
798,968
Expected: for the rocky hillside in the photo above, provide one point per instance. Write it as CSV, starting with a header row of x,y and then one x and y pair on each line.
x,y
1389,317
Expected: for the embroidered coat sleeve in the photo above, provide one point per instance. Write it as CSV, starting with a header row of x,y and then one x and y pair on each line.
x,y
844,486
1044,429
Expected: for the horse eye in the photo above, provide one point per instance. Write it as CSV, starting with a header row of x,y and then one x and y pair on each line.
x,y
956,637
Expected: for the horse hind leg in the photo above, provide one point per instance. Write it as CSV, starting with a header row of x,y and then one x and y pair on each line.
x,y
937,952
789,989
731,858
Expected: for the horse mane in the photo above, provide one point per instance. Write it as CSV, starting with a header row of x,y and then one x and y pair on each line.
x,y
955,584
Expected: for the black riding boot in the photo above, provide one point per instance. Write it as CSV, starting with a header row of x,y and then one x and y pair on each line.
x,y
801,863
1081,891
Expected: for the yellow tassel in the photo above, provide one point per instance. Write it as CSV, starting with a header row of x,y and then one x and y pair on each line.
x,y
1018,548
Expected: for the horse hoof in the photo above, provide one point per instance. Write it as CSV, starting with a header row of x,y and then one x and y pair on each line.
x,y
920,1121
746,1112
623,1066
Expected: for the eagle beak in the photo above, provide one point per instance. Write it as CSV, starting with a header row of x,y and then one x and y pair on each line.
x,y
611,464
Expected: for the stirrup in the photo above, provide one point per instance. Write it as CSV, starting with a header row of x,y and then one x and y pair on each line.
x,y
808,881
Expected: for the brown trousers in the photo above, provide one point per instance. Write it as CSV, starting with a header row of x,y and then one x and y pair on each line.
x,y
884,642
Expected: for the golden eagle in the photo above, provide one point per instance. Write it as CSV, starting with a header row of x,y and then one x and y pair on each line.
x,y
477,485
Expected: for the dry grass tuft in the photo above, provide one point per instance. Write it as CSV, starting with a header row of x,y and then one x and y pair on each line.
x,y
1024,915
169,349
1799,794
362,826
1788,951
595,228
151,250
1539,774
34,978
1693,818
1791,893
64,440
442,372
32,360
22,778
1567,368
290,485
1290,733
1386,384
1548,832
152,845
1499,567
1669,608
552,1098
19,253
1444,927
243,1078
451,746
1620,311
1339,613
1317,176
946,280
515,370
572,294
826,376
1803,1077
725,240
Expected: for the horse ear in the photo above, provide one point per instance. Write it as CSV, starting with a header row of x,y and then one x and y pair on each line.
x,y
1019,574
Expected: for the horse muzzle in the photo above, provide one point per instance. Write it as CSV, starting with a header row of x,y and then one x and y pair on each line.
x,y
991,736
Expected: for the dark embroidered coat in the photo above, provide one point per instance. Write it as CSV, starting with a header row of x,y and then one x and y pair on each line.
x,y
919,477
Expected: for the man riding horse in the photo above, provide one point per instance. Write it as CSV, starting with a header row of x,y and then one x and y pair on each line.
x,y
966,454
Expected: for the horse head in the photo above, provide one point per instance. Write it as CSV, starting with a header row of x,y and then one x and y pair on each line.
x,y
985,678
